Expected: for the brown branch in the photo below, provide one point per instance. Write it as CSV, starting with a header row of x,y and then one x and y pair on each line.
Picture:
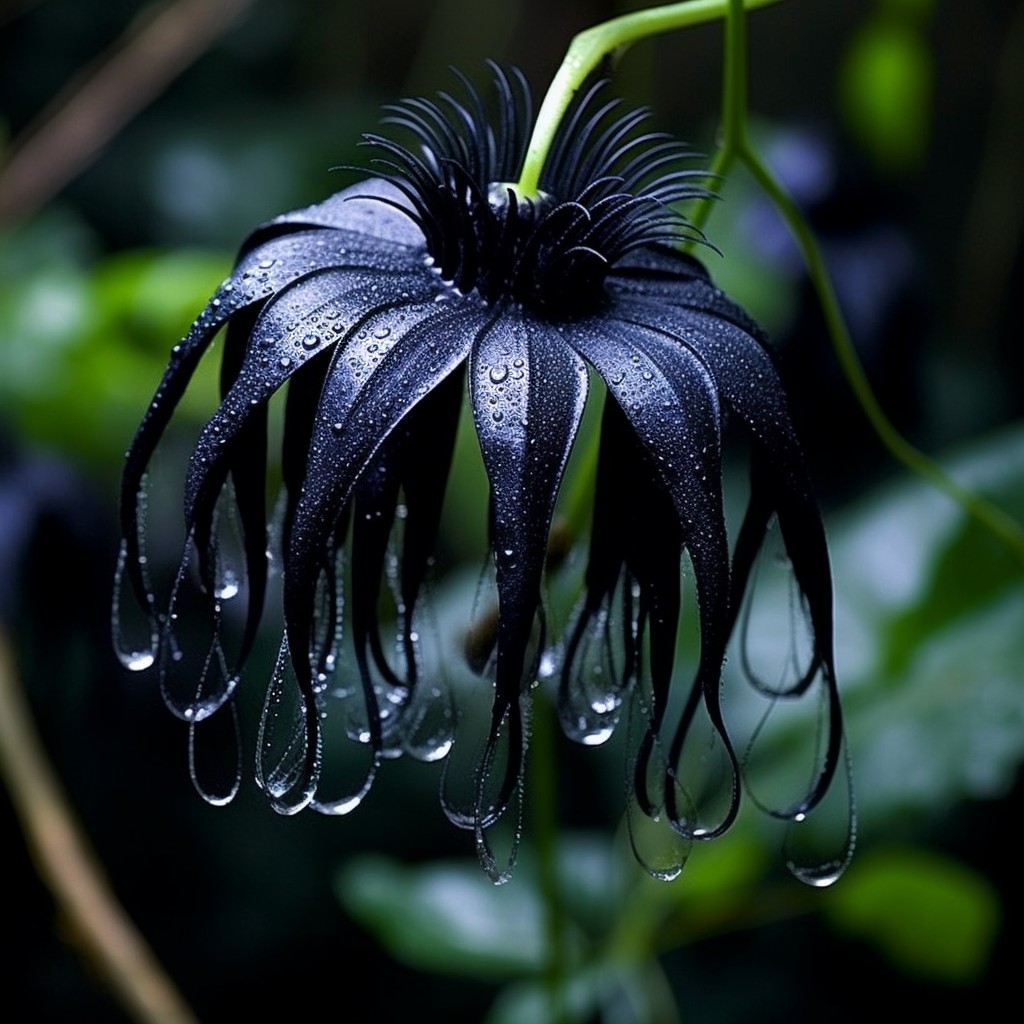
x,y
70,869
90,111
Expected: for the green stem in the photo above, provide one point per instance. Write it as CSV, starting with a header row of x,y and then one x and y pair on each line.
x,y
734,106
987,514
585,54
735,146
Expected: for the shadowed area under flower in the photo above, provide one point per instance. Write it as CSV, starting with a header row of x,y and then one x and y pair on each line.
x,y
381,308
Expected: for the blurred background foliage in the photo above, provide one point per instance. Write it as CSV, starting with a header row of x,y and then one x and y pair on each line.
x,y
140,143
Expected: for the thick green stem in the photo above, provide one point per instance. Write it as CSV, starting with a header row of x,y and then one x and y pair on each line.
x,y
585,55
734,106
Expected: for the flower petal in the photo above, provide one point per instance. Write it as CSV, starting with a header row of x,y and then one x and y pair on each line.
x,y
748,383
527,389
372,208
635,543
397,358
671,402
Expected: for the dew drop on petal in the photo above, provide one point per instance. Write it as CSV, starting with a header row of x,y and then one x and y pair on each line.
x,y
229,586
138,661
135,641
659,849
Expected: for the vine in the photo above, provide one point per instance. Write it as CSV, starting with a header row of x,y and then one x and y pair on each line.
x,y
610,40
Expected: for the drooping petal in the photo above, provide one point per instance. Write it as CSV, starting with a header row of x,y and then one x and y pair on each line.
x,y
670,278
528,390
298,326
632,587
374,208
268,264
748,383
415,461
670,400
396,358
303,323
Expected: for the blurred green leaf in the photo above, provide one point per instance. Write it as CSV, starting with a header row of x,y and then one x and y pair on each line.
x,y
605,992
930,636
931,915
83,344
885,88
447,916
971,571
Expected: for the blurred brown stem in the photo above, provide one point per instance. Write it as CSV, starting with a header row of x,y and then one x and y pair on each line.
x,y
70,869
97,104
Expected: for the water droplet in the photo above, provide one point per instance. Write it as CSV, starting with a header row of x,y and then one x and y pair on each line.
x,y
548,664
284,362
381,333
595,735
311,340
138,661
498,374
229,586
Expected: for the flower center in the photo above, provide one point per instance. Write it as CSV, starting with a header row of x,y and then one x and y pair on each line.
x,y
608,188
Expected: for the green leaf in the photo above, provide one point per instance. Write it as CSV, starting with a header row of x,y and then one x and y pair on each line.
x,y
931,640
83,344
447,917
931,915
886,91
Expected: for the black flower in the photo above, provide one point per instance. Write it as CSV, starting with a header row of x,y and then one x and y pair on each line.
x,y
380,308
